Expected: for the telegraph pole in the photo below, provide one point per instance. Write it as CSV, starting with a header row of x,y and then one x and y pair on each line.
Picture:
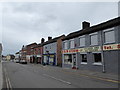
x,y
102,52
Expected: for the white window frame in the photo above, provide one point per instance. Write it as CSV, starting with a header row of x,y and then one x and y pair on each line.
x,y
92,34
81,58
65,45
108,30
81,38
72,40
67,60
97,63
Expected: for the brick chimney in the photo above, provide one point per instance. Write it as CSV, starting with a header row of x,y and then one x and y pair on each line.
x,y
85,25
49,38
42,40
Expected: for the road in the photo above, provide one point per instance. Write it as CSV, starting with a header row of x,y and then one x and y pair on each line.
x,y
37,76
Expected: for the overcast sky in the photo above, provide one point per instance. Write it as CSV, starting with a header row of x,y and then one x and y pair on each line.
x,y
27,22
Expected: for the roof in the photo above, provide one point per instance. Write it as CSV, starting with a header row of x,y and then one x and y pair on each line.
x,y
31,44
49,41
105,25
53,40
17,53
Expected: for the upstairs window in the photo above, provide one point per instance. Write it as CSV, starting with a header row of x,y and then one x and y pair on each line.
x,y
82,41
72,44
65,45
94,39
109,36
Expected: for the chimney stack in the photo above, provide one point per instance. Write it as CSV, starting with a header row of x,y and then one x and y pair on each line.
x,y
49,38
42,40
85,25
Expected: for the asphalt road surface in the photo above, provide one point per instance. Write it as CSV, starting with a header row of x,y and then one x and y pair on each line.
x,y
37,76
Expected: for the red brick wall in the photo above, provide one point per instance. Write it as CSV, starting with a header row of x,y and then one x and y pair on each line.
x,y
59,49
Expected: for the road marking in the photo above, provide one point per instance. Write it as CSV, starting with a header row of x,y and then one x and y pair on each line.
x,y
9,86
95,77
57,79
90,76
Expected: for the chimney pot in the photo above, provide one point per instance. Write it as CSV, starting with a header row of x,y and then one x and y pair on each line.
x,y
42,40
85,25
49,38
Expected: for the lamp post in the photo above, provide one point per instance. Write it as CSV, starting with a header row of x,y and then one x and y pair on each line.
x,y
102,53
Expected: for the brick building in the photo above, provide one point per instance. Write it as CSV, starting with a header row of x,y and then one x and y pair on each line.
x,y
37,53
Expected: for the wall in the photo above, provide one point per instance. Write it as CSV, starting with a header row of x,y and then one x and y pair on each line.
x,y
0,52
110,57
59,54
52,48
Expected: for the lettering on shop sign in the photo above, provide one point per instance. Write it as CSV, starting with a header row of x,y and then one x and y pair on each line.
x,y
111,47
93,49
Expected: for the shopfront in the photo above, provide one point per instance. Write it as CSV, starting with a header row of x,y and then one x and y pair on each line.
x,y
70,60
50,59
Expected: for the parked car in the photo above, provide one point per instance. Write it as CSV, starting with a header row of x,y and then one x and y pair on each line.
x,y
23,61
16,61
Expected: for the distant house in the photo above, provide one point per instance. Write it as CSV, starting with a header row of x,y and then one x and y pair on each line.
x,y
93,48
0,52
23,53
10,57
17,55
52,51
26,51
38,52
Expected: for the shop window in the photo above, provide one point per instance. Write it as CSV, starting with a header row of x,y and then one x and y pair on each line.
x,y
82,41
109,36
94,39
68,59
72,44
84,58
97,59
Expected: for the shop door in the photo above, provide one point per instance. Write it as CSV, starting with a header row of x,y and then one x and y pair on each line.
x,y
74,60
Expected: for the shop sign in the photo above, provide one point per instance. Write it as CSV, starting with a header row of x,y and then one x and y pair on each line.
x,y
52,56
70,51
90,49
38,55
111,47
94,49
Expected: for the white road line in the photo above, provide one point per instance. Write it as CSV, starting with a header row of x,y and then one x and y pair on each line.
x,y
9,87
57,79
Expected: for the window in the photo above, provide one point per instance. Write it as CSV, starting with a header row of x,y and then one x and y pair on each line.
x,y
109,36
82,41
65,45
97,59
68,59
84,58
72,44
94,39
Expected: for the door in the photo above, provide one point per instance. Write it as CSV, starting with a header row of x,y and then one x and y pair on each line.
x,y
74,61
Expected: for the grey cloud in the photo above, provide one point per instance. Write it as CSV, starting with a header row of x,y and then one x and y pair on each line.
x,y
27,22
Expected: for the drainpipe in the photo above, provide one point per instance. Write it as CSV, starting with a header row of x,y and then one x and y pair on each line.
x,y
102,53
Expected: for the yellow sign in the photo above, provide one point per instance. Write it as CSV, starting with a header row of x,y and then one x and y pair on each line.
x,y
93,49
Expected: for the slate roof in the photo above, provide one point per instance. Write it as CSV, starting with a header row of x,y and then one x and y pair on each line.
x,y
49,41
105,25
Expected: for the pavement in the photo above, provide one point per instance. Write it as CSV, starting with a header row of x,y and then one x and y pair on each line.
x,y
92,74
1,76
